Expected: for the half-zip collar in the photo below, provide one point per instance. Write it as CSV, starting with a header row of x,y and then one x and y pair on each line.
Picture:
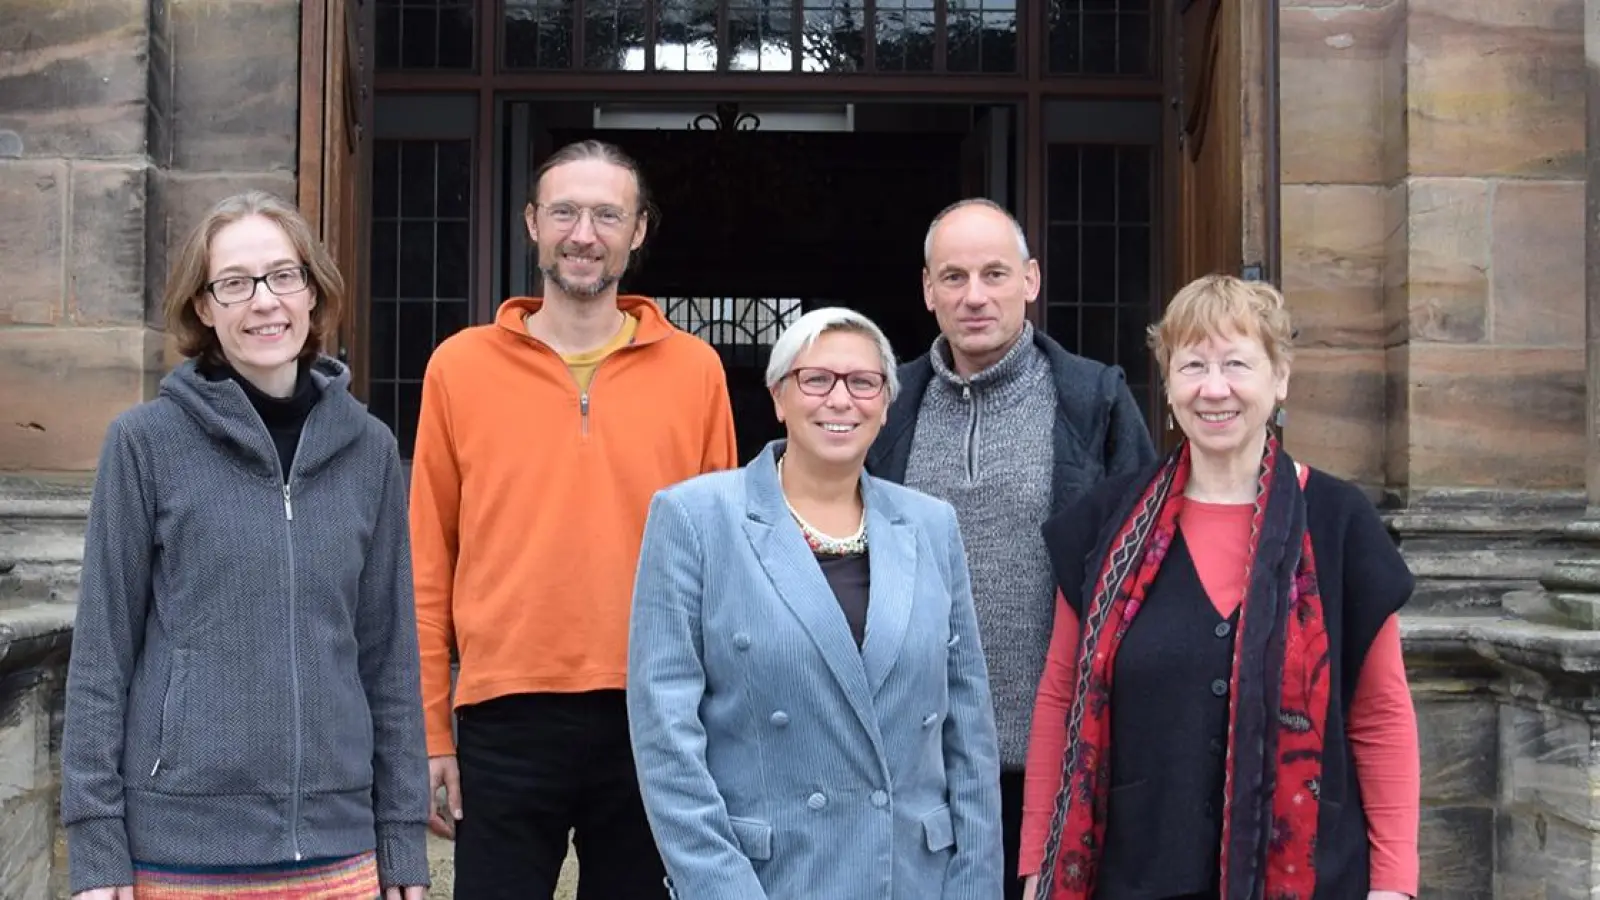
x,y
1001,385
653,324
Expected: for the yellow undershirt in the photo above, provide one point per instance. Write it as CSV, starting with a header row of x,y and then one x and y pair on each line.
x,y
582,365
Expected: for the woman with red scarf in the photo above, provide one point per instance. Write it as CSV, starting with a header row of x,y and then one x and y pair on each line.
x,y
1224,713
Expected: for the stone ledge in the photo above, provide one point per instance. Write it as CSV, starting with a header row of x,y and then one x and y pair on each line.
x,y
31,634
1543,646
39,498
1469,549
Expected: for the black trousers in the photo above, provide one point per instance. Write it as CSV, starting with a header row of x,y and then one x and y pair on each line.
x,y
1011,830
533,768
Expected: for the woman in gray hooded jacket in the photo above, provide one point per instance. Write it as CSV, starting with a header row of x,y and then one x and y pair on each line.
x,y
243,705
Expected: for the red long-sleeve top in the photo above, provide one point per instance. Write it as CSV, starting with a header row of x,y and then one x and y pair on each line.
x,y
1382,729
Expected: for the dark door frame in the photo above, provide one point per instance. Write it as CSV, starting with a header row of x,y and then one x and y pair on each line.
x,y
1030,87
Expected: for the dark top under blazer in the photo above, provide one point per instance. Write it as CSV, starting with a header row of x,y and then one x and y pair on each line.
x,y
1163,757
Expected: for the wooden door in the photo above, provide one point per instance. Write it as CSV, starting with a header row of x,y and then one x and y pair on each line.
x,y
335,184
1226,181
1227,205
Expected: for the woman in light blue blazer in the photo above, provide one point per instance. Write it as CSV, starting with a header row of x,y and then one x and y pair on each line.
x,y
807,694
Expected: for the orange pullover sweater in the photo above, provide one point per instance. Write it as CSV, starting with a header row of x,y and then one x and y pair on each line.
x,y
529,496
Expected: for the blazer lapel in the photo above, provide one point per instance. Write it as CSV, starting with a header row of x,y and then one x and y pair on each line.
x,y
793,570
892,561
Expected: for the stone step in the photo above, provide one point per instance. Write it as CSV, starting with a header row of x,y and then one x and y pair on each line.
x,y
41,540
1469,550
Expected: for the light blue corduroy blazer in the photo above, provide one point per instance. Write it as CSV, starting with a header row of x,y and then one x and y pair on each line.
x,y
776,759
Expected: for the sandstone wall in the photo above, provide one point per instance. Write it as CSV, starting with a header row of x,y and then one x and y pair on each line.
x,y
120,121
1432,168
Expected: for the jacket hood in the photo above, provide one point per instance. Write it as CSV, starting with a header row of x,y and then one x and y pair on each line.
x,y
653,324
223,411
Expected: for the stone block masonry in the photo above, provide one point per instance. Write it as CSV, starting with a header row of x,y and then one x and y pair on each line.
x,y
120,122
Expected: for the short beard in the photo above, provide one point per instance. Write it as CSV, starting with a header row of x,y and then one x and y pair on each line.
x,y
579,291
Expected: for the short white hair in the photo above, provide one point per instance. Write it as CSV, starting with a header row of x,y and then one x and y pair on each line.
x,y
798,338
986,203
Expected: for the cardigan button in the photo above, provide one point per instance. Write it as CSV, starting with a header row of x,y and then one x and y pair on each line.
x,y
780,718
880,799
741,641
817,801
1219,687
1222,630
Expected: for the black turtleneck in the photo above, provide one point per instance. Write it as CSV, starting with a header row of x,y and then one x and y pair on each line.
x,y
284,417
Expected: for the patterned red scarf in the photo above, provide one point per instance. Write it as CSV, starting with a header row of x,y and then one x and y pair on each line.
x,y
1277,708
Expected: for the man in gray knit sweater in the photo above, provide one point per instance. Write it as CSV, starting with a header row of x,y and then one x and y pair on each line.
x,y
1006,425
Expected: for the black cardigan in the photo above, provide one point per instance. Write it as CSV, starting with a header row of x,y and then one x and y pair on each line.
x,y
1363,581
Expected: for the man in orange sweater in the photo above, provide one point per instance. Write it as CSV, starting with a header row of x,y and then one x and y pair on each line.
x,y
542,438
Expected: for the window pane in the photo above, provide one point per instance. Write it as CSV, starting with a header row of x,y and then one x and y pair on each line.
x,y
425,35
1100,248
455,179
1098,182
613,35
385,257
382,340
963,30
905,35
415,328
538,34
759,36
421,269
833,36
1099,37
1062,176
408,409
455,36
686,35
454,261
417,179
999,40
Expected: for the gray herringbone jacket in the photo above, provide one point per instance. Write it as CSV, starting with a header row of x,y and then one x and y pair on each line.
x,y
244,684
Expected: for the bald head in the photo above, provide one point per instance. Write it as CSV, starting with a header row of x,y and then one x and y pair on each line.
x,y
978,280
974,212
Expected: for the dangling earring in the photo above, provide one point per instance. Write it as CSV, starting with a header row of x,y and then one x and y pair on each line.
x,y
1170,425
1279,417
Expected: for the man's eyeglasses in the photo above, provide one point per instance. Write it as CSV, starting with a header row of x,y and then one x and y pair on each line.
x,y
819,382
566,215
235,289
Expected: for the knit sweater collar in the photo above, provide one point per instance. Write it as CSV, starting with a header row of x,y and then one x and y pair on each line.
x,y
1001,380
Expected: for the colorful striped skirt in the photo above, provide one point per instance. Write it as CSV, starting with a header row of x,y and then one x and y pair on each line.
x,y
355,878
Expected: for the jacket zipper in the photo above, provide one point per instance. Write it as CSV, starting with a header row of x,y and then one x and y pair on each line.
x,y
583,395
294,657
972,433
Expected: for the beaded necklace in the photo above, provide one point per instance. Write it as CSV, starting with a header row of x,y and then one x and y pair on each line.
x,y
822,543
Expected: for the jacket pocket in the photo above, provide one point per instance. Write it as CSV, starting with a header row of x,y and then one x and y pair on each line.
x,y
754,837
174,704
939,830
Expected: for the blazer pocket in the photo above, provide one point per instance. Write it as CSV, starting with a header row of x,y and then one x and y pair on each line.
x,y
754,837
939,830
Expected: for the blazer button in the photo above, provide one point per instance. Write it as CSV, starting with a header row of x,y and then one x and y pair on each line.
x,y
816,801
741,641
780,718
880,799
1223,629
1219,687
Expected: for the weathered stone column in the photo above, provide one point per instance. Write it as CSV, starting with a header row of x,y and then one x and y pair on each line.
x,y
1573,587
